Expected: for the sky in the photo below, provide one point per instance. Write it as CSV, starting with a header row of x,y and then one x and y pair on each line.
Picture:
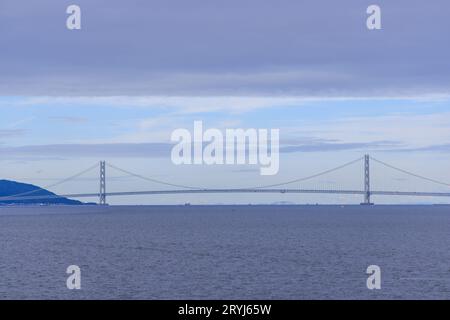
x,y
137,70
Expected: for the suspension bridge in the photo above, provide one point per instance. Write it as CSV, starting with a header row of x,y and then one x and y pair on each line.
x,y
366,192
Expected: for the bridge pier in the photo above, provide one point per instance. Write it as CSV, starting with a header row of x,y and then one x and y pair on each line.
x,y
102,194
367,181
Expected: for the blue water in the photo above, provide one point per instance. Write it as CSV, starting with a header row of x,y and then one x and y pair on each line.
x,y
225,252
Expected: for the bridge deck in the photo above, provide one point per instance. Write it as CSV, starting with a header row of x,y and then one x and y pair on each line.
x,y
195,191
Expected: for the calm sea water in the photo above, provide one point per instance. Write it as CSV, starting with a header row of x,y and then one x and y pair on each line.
x,y
225,252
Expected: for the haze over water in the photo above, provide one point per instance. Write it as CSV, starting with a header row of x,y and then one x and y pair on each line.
x,y
225,252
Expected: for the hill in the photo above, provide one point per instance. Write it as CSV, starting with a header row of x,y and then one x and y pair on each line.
x,y
11,188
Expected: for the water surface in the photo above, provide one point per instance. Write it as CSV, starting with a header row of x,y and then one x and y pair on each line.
x,y
225,252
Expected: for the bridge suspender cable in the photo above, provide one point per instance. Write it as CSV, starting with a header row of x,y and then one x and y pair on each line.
x,y
16,196
51,185
309,177
410,173
257,187
151,179
264,188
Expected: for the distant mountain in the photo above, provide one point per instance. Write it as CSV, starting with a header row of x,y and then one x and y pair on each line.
x,y
11,188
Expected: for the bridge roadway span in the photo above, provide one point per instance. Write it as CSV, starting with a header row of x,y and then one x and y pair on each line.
x,y
191,191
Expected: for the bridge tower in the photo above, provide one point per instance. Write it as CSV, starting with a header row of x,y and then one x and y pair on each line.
x,y
102,194
366,180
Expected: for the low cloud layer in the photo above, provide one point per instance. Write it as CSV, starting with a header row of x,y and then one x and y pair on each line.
x,y
144,150
433,148
327,146
89,150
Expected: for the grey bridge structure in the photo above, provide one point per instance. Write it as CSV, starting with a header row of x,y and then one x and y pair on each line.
x,y
366,192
